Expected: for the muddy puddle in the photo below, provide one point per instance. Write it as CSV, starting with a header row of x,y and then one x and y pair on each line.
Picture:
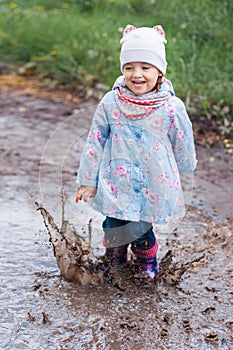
x,y
41,141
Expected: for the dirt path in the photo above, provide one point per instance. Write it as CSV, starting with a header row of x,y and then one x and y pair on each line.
x,y
41,141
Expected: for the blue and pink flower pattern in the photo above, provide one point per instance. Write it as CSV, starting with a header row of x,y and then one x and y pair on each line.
x,y
135,164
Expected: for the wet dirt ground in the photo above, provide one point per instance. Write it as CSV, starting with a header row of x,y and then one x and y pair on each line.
x,y
41,141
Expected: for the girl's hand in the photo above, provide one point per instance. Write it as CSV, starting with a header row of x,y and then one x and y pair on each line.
x,y
85,192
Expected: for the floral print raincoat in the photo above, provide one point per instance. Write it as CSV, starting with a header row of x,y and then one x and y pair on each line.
x,y
134,155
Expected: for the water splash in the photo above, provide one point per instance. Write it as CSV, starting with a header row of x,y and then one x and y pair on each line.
x,y
77,263
73,254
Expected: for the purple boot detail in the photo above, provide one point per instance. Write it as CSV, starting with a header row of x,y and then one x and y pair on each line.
x,y
147,260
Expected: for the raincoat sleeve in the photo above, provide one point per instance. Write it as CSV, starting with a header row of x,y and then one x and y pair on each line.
x,y
93,149
181,137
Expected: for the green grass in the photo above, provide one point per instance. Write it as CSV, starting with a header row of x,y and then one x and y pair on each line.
x,y
73,40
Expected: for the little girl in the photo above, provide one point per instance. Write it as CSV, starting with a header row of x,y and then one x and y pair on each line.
x,y
140,140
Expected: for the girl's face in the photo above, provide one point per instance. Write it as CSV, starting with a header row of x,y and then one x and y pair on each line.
x,y
140,77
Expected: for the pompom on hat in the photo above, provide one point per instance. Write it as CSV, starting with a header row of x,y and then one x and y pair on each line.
x,y
144,45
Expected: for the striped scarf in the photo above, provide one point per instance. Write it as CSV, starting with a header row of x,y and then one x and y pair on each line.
x,y
140,106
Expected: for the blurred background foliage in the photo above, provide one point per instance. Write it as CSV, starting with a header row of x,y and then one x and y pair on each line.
x,y
76,41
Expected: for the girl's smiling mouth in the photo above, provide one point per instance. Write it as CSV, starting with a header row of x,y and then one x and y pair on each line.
x,y
138,82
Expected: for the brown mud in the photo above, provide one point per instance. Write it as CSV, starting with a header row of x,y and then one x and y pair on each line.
x,y
190,304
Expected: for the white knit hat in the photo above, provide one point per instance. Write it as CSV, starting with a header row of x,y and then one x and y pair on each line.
x,y
144,45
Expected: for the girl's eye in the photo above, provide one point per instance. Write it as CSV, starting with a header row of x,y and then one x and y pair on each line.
x,y
128,68
145,67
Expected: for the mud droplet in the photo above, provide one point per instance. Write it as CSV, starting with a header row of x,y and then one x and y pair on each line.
x,y
208,310
229,324
31,317
187,326
128,323
167,319
164,333
45,318
212,336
